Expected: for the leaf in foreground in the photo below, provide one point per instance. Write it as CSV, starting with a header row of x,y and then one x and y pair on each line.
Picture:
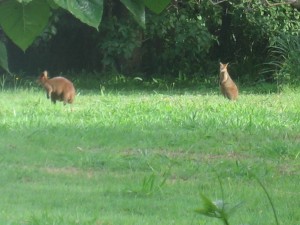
x,y
157,6
137,8
216,209
3,57
87,11
24,21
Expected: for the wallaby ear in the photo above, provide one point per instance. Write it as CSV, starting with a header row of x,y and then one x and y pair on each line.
x,y
45,73
224,66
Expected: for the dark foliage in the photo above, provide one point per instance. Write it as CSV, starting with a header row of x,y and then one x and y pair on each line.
x,y
187,39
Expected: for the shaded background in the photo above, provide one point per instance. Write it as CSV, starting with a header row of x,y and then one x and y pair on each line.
x,y
188,39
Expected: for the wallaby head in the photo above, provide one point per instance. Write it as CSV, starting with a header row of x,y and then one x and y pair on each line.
x,y
43,77
223,72
223,67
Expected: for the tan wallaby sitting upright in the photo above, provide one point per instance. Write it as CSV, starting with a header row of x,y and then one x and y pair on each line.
x,y
57,88
227,86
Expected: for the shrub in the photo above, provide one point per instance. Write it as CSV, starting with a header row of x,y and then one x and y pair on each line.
x,y
178,40
284,61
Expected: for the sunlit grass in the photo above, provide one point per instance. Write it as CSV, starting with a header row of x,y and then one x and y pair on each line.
x,y
145,157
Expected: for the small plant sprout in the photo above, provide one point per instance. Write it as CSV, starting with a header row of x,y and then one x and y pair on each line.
x,y
16,81
216,209
102,89
269,199
3,81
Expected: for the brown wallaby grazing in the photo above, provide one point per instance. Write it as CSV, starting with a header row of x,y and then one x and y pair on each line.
x,y
227,86
57,88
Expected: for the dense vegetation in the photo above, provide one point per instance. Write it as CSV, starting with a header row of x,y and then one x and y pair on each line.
x,y
186,40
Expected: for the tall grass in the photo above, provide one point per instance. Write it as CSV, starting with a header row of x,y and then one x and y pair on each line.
x,y
284,60
145,157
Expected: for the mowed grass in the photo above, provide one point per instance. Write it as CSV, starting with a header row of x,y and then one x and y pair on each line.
x,y
145,157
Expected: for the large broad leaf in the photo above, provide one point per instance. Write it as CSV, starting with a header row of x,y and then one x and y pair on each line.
x,y
3,57
23,21
87,11
137,8
157,6
52,4
24,1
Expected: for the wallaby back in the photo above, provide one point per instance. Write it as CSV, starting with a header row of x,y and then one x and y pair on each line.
x,y
227,86
57,88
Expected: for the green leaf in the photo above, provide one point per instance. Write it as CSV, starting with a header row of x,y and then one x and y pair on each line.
x,y
87,11
3,57
157,6
23,22
24,1
52,4
137,8
209,208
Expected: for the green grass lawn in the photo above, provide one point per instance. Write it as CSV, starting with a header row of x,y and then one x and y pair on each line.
x,y
146,157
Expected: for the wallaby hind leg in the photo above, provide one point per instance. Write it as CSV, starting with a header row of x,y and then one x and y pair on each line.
x,y
53,99
67,99
49,93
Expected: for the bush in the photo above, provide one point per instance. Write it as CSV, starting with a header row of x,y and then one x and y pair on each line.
x,y
119,44
177,41
284,60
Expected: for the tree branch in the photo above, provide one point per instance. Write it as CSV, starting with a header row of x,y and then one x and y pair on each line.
x,y
288,2
217,2
266,2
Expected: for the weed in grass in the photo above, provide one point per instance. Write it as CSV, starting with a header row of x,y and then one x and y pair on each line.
x,y
269,199
220,210
160,168
3,82
102,90
45,218
151,184
216,209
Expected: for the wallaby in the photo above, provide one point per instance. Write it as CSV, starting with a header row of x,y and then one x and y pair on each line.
x,y
57,88
227,86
